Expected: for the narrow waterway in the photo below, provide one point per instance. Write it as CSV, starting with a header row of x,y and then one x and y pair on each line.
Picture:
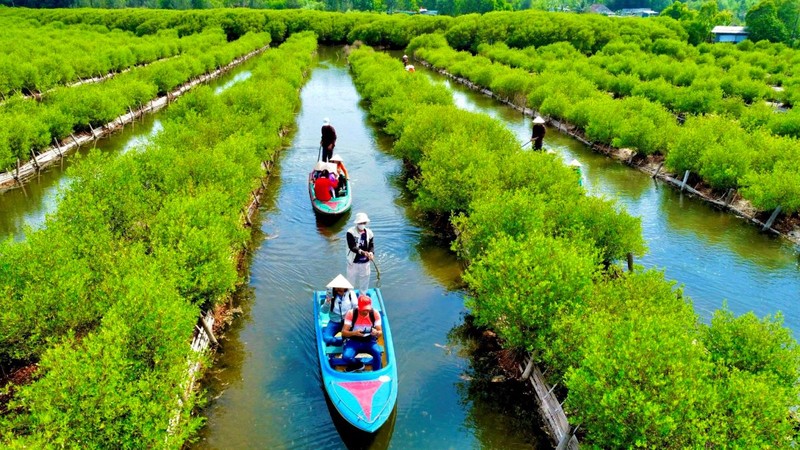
x,y
715,256
266,384
29,205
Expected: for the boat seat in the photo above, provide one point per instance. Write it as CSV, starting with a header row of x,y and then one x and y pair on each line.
x,y
335,355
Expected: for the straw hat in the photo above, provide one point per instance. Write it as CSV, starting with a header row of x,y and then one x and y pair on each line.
x,y
339,282
361,218
335,158
538,119
321,165
331,167
326,121
574,163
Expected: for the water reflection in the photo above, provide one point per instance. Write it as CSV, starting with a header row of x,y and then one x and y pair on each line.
x,y
494,401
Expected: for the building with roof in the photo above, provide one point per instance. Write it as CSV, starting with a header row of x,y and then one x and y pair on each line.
x,y
638,12
598,8
729,34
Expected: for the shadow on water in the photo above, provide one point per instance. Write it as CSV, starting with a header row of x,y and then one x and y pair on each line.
x,y
494,401
355,439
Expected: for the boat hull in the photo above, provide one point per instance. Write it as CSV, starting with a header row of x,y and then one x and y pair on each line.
x,y
333,207
364,399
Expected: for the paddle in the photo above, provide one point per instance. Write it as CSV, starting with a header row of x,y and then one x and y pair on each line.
x,y
319,154
523,145
378,272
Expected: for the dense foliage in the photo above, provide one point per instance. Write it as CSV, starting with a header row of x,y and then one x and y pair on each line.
x,y
105,298
640,368
37,57
724,151
30,125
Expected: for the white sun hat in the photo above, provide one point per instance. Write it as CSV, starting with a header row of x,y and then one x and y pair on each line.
x,y
361,218
538,119
332,167
340,282
321,165
326,121
575,163
335,158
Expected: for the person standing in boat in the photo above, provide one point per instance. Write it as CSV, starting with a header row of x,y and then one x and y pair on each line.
x,y
360,247
537,133
328,141
340,300
361,329
405,60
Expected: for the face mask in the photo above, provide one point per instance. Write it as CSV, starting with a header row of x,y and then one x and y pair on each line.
x,y
361,227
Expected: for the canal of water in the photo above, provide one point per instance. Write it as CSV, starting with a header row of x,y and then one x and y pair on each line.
x,y
266,382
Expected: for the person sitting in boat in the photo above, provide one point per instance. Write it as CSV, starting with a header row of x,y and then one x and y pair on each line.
x,y
318,168
340,169
410,68
340,300
361,329
324,188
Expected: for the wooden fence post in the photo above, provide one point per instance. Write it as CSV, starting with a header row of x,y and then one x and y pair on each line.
x,y
685,177
58,147
771,218
528,369
33,159
729,196
209,331
658,169
564,442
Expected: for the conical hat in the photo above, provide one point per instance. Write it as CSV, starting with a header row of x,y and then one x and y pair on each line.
x,y
574,163
340,282
538,119
336,157
321,165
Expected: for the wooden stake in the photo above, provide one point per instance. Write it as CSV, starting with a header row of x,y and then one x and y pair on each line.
x,y
658,169
630,262
93,136
58,147
209,331
33,159
771,218
685,177
528,369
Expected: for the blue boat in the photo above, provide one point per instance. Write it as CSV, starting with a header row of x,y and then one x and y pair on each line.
x,y
337,205
364,399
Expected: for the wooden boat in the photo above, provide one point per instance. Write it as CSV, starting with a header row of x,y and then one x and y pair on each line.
x,y
335,206
365,399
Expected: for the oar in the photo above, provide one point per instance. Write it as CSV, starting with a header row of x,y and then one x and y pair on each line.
x,y
523,145
319,154
377,271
